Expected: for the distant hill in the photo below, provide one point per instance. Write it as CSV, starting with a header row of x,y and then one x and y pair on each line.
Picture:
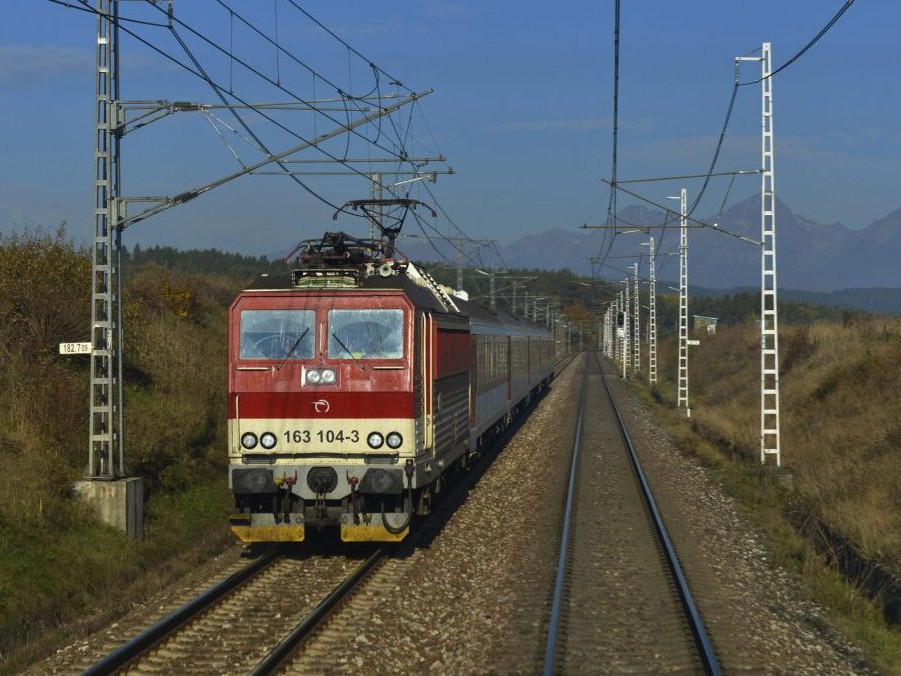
x,y
811,256
533,253
872,299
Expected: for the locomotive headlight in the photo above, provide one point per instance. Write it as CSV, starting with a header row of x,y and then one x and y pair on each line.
x,y
313,377
394,440
375,440
328,377
267,440
249,440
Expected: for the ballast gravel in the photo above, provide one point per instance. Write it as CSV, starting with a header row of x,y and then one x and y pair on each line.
x,y
758,615
475,597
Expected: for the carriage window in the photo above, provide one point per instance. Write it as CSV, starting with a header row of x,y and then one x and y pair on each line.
x,y
278,334
365,334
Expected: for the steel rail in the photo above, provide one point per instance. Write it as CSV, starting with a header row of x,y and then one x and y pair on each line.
x,y
287,645
129,651
705,650
152,635
550,647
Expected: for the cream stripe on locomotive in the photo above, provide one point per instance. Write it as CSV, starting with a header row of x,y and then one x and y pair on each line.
x,y
333,437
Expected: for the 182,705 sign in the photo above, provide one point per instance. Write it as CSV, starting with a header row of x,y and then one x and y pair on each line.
x,y
75,348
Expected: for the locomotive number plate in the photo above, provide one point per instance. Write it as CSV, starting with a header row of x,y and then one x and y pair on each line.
x,y
322,436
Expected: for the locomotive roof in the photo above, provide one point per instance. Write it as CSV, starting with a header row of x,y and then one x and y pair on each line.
x,y
422,298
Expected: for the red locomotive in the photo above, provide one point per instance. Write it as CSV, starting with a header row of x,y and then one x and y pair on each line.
x,y
355,383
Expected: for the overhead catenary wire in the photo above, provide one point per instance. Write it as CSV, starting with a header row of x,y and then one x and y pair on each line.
x,y
403,137
616,184
429,238
608,239
350,47
197,72
218,91
700,223
400,155
738,84
263,76
816,38
90,10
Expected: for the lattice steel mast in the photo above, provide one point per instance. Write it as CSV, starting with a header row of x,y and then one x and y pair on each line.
x,y
636,320
769,309
627,348
106,442
682,398
769,317
652,314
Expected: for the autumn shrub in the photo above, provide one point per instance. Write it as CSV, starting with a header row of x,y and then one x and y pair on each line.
x,y
174,325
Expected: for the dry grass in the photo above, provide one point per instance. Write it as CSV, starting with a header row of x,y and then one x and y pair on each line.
x,y
841,434
840,418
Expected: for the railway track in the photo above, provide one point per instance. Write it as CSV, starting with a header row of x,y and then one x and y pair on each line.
x,y
237,622
621,602
328,642
291,613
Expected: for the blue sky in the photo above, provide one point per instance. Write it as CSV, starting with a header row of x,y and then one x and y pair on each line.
x,y
522,110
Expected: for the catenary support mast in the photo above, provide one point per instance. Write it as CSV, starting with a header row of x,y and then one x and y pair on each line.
x,y
636,319
769,317
627,330
106,445
682,398
652,315
769,308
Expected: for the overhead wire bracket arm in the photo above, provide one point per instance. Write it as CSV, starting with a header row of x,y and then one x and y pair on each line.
x,y
195,192
740,172
699,223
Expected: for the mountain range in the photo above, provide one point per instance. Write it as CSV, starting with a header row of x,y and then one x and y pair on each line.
x,y
810,256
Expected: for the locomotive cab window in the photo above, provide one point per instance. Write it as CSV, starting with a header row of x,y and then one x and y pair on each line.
x,y
277,334
365,334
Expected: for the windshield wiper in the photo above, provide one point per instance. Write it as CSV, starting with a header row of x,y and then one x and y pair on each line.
x,y
347,349
293,347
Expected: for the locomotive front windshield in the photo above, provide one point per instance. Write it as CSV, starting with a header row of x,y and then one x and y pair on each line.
x,y
365,334
278,334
